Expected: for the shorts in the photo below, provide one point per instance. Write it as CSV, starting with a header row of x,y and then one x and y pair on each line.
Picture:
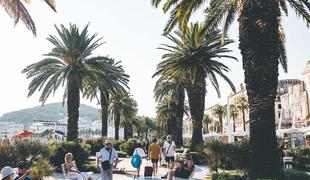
x,y
154,161
169,159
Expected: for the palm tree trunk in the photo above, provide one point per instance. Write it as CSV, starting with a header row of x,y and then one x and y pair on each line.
x,y
196,98
243,119
73,105
234,124
104,102
126,132
259,45
221,122
179,116
116,124
130,131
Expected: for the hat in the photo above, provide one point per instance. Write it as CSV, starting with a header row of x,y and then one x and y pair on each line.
x,y
22,164
107,142
6,171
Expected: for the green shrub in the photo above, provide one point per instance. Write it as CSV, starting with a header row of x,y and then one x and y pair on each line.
x,y
122,154
128,146
179,150
228,156
41,168
293,174
95,144
198,158
8,156
301,158
228,176
23,150
80,152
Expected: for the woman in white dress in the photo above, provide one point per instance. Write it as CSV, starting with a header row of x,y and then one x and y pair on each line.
x,y
73,172
139,151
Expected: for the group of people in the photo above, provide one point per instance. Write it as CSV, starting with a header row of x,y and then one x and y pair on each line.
x,y
155,153
107,160
23,171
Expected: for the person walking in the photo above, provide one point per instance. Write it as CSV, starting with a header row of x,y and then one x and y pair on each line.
x,y
154,153
169,151
108,159
140,152
6,141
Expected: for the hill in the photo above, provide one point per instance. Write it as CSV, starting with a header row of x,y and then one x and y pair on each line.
x,y
51,112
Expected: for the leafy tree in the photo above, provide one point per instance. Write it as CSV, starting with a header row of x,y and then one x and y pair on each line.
x,y
262,47
119,103
70,64
220,111
234,113
207,120
118,83
242,105
17,10
193,57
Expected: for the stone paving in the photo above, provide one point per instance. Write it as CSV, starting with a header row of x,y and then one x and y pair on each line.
x,y
200,172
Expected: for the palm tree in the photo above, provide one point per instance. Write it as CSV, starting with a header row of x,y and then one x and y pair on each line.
x,y
262,41
121,104
17,11
193,58
69,63
220,111
128,117
242,105
207,120
166,116
175,89
234,113
119,81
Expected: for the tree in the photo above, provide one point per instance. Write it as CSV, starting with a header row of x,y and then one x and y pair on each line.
x,y
261,40
234,113
17,11
175,89
220,111
121,104
242,105
128,117
207,120
193,57
69,63
118,83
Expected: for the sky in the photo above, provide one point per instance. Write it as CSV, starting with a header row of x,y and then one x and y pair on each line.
x,y
132,32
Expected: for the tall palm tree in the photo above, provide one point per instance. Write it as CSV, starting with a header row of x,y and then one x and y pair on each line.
x,y
194,58
175,89
128,117
220,111
207,120
119,103
166,116
119,81
17,10
242,105
234,113
69,63
262,41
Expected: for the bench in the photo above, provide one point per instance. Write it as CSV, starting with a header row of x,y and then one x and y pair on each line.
x,y
287,162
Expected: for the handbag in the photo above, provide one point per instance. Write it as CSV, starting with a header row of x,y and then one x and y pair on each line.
x,y
106,164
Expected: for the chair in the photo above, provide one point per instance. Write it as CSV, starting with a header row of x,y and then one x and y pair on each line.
x,y
287,162
64,171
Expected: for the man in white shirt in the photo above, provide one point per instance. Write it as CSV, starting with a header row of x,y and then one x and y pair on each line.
x,y
168,151
108,159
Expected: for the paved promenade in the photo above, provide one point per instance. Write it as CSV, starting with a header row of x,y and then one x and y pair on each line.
x,y
200,172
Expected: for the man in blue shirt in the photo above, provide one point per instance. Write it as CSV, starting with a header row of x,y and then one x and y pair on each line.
x,y
23,171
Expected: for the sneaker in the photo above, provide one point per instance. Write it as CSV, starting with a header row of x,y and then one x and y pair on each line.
x,y
164,177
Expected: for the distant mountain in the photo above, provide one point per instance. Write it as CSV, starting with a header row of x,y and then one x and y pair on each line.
x,y
51,112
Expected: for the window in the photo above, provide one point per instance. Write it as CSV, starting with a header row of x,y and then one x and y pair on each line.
x,y
279,106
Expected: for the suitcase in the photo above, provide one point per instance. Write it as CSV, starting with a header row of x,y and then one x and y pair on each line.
x,y
148,170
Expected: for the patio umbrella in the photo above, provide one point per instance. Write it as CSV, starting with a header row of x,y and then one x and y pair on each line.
x,y
23,134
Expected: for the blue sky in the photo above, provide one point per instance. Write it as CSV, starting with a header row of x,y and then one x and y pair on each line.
x,y
132,32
